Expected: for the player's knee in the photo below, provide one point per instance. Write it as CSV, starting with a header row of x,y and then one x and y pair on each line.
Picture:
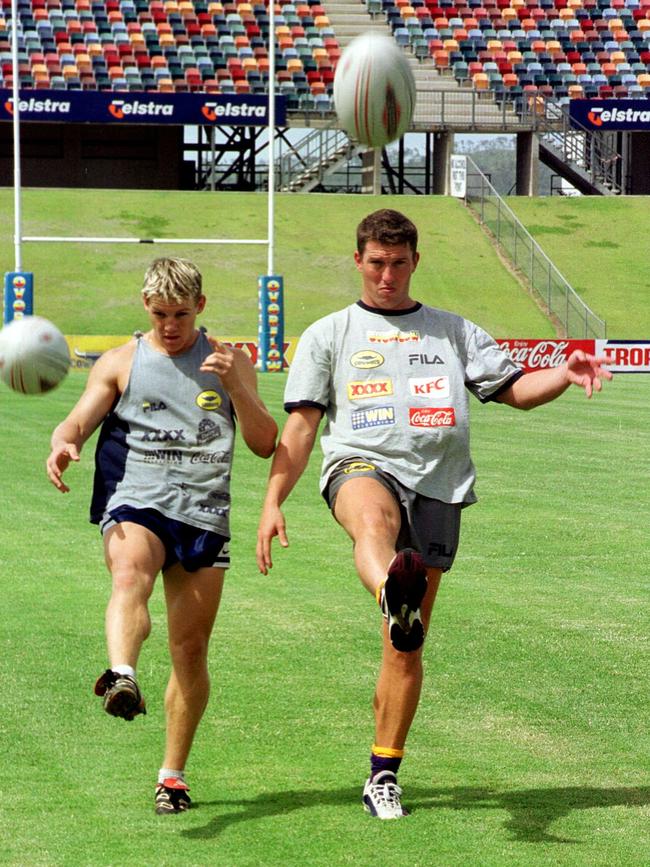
x,y
130,581
377,522
404,664
189,652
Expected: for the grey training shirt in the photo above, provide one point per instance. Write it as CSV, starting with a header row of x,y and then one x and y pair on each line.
x,y
393,385
168,442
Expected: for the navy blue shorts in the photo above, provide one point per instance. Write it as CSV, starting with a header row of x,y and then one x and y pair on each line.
x,y
192,547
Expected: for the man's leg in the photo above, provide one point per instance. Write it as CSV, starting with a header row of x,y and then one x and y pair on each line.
x,y
192,603
371,516
400,681
134,556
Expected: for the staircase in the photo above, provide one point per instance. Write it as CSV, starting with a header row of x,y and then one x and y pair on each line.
x,y
583,157
350,18
322,151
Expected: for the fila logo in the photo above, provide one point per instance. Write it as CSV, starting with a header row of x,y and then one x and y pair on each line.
x,y
153,406
423,386
369,388
423,358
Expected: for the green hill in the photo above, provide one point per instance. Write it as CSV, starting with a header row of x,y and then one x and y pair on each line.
x,y
90,288
599,244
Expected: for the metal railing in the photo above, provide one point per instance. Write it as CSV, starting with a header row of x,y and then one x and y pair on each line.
x,y
553,291
311,156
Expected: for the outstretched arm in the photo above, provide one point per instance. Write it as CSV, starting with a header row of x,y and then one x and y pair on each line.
x,y
92,407
542,386
289,462
235,370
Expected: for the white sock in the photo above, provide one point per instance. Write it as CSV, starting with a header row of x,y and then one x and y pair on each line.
x,y
124,669
166,773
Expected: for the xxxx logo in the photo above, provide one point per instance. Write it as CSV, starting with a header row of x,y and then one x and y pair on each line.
x,y
369,388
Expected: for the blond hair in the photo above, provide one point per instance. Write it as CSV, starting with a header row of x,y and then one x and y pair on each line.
x,y
172,281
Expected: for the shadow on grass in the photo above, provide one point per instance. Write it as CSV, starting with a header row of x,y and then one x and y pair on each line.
x,y
532,811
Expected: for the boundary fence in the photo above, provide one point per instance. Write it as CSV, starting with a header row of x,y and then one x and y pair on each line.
x,y
554,292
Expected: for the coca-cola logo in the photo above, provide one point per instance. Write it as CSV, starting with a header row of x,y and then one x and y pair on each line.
x,y
541,354
432,416
544,353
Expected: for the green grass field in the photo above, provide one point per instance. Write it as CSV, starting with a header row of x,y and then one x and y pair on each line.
x,y
531,743
90,288
601,264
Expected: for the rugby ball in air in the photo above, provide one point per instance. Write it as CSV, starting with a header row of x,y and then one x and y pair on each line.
x,y
374,90
34,355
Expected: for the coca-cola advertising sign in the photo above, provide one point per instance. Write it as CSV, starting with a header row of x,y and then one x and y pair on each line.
x,y
540,354
432,416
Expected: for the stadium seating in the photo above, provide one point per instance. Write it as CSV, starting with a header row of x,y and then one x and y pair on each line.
x,y
514,48
171,46
535,48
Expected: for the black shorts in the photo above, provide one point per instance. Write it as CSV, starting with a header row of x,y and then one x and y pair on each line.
x,y
192,547
428,525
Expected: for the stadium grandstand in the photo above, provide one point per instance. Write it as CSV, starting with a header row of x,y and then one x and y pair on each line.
x,y
569,77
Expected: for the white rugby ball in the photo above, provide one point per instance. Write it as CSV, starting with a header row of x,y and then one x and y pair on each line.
x,y
34,355
374,90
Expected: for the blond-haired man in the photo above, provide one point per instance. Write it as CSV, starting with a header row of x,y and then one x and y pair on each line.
x,y
167,401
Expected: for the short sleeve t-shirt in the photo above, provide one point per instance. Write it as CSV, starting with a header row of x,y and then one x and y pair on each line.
x,y
394,388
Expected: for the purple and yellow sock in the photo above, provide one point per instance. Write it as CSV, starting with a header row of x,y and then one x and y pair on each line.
x,y
385,759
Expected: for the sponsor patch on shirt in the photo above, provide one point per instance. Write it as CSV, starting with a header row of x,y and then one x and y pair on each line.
x,y
366,359
393,336
209,400
373,417
432,416
429,386
359,467
364,388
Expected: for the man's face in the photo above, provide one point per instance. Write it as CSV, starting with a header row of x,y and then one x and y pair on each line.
x,y
173,324
386,274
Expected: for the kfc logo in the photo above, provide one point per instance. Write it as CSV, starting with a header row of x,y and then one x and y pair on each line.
x,y
426,386
431,416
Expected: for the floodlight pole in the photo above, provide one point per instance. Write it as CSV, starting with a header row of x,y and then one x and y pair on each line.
x,y
271,157
16,131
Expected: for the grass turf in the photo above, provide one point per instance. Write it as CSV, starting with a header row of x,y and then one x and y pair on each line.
x,y
530,745
602,265
90,288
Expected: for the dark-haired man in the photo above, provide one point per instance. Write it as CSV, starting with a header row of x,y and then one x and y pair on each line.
x,y
392,377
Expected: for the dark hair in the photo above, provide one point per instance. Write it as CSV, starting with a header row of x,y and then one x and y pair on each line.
x,y
386,227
